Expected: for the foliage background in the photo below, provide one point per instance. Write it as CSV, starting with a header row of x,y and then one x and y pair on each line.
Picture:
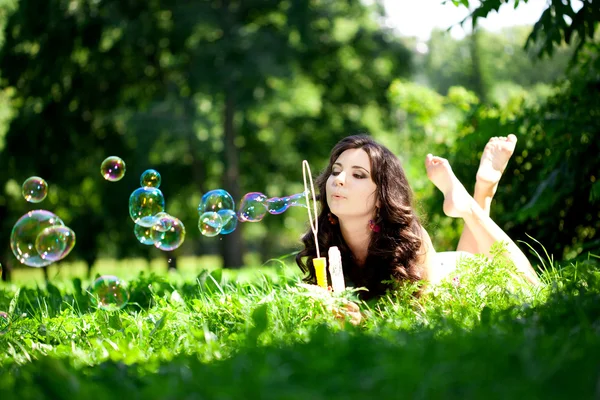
x,y
235,95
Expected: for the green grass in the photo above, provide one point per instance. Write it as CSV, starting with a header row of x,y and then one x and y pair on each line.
x,y
258,333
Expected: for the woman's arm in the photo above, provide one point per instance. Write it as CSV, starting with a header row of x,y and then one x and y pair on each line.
x,y
426,257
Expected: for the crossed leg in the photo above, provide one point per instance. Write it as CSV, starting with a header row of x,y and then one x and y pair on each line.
x,y
459,204
493,162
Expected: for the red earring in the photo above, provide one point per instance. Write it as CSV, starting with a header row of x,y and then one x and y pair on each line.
x,y
373,226
332,219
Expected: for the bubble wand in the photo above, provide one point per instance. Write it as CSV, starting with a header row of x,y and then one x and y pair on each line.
x,y
320,263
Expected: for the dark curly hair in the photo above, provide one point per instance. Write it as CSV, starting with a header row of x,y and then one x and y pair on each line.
x,y
393,251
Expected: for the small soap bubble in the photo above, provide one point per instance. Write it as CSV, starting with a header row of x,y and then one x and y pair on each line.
x,y
55,242
171,238
143,234
4,322
210,224
253,207
150,178
109,293
229,221
113,169
34,189
162,222
25,233
144,204
216,200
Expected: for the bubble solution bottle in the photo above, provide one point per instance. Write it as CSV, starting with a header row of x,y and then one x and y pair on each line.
x,y
335,270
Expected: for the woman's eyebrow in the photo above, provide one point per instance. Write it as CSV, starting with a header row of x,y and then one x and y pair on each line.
x,y
354,166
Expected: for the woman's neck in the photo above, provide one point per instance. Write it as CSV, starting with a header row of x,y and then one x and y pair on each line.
x,y
357,235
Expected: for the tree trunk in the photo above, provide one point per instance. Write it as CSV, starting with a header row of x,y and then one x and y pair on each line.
x,y
198,163
171,260
6,269
232,250
90,259
477,81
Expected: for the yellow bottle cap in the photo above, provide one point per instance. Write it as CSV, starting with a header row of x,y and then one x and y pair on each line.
x,y
320,265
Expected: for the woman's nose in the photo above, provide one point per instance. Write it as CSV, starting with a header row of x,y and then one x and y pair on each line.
x,y
340,179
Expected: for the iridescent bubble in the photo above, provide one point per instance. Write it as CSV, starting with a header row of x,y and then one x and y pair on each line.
x,y
216,200
34,189
229,221
210,224
25,233
150,178
4,322
143,234
162,222
113,169
109,293
277,205
171,238
144,204
253,207
55,242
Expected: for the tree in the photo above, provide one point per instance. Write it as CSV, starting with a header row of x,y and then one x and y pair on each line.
x,y
559,23
185,87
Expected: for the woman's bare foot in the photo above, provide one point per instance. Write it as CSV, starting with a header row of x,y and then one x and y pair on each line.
x,y
457,201
493,162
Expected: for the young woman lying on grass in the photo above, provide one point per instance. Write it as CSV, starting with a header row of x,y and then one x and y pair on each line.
x,y
367,212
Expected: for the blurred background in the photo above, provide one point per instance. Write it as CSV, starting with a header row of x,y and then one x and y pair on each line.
x,y
234,94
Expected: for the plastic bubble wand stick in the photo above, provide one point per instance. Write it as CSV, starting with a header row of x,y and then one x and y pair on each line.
x,y
320,263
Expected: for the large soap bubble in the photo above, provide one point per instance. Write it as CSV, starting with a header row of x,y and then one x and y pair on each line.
x,y
216,200
55,242
210,224
168,233
144,204
25,234
253,207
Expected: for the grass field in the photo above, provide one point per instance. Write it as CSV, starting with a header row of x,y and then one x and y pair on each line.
x,y
259,333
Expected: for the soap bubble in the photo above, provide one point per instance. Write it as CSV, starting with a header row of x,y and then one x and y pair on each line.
x,y
150,178
113,169
25,233
216,200
143,234
170,238
253,207
55,242
277,205
109,293
4,322
229,221
34,189
210,224
162,222
144,204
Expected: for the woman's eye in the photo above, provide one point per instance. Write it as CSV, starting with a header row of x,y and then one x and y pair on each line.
x,y
359,176
335,173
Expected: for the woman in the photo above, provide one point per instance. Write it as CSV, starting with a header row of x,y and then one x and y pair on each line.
x,y
367,212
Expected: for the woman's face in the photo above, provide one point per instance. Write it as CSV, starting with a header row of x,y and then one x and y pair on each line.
x,y
350,187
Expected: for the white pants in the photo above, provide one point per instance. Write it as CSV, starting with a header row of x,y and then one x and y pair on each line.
x,y
445,263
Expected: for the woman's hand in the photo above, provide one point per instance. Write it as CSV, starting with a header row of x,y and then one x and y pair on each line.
x,y
351,310
340,312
